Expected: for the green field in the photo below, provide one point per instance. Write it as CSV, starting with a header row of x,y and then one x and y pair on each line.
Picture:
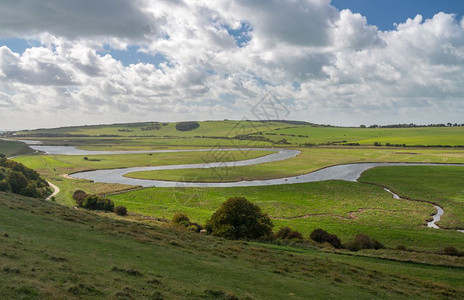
x,y
453,136
50,251
14,148
178,264
53,167
309,160
439,185
224,133
345,208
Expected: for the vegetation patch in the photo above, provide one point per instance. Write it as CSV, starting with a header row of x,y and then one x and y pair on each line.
x,y
18,179
187,126
237,218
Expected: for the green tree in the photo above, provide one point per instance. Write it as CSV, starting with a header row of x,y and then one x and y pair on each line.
x,y
17,181
238,218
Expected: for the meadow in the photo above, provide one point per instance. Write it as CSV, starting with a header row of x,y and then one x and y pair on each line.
x,y
212,266
344,208
46,249
55,167
244,133
439,185
309,160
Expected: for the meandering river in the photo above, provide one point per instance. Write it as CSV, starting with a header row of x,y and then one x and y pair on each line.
x,y
347,172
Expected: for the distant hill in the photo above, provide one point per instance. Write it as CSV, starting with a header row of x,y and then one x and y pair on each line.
x,y
14,148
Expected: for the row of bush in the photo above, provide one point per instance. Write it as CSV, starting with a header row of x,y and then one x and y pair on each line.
x,y
95,202
238,218
18,179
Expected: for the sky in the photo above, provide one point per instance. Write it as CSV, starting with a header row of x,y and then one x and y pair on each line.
x,y
339,62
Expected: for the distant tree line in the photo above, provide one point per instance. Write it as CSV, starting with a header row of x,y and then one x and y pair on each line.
x,y
412,125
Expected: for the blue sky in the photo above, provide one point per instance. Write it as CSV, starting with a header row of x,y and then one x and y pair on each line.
x,y
384,13
381,13
75,62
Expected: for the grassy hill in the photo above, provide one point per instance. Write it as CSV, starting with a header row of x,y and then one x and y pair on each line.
x,y
51,251
14,148
245,133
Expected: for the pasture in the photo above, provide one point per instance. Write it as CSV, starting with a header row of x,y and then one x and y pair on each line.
x,y
343,208
47,248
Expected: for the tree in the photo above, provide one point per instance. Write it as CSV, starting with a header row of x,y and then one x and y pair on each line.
x,y
17,181
95,202
120,210
187,126
79,196
238,218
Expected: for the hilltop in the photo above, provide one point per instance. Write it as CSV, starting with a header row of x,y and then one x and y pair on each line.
x,y
248,133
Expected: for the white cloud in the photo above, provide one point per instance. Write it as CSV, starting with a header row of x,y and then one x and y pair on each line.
x,y
327,66
76,19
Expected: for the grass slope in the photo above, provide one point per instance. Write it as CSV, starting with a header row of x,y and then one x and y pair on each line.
x,y
367,136
14,148
50,251
212,133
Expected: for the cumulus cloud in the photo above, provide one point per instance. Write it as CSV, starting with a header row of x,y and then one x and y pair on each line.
x,y
326,65
75,19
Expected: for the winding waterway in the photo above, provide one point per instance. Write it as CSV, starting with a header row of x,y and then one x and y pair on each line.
x,y
347,172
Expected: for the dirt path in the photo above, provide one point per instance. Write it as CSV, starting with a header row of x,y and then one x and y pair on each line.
x,y
56,190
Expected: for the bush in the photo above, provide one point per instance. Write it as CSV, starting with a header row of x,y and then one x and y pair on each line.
x,y
452,251
94,202
181,219
322,236
4,186
31,191
363,241
187,126
17,181
285,233
237,218
120,210
402,248
79,196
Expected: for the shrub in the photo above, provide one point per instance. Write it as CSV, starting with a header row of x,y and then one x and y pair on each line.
x,y
187,126
181,219
120,210
451,251
31,191
17,181
322,236
194,227
79,196
4,186
363,241
285,233
402,248
94,202
237,218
